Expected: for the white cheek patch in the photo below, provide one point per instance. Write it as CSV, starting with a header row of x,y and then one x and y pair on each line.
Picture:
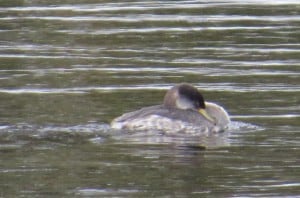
x,y
184,103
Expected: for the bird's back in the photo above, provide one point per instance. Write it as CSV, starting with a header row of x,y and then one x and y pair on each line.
x,y
168,120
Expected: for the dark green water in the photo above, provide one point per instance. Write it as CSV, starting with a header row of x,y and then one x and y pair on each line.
x,y
67,68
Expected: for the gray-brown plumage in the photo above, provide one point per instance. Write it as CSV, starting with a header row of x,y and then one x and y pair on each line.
x,y
183,111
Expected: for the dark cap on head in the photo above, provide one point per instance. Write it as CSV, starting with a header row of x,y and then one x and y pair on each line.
x,y
184,96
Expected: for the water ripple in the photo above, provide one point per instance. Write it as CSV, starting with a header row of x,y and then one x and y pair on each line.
x,y
229,87
168,29
158,18
143,6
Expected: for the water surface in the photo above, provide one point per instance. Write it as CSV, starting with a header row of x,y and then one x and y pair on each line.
x,y
67,68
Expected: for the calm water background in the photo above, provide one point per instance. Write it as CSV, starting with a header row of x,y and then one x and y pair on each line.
x,y
67,68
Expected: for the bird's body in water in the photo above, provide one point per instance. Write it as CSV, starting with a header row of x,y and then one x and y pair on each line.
x,y
183,111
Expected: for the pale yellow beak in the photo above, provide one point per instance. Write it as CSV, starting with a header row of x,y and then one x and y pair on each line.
x,y
206,115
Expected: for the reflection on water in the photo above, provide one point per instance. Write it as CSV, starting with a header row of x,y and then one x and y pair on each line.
x,y
68,68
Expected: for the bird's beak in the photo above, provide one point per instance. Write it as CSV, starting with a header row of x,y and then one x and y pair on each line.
x,y
206,115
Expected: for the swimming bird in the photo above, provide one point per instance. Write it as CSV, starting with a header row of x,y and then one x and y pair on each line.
x,y
183,111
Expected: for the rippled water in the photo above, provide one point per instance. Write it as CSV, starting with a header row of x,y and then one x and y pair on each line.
x,y
67,68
